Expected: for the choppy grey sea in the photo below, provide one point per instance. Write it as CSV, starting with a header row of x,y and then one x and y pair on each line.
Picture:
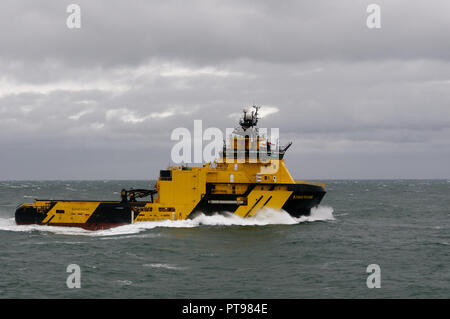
x,y
403,226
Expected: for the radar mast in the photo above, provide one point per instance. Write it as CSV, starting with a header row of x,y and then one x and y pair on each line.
x,y
248,122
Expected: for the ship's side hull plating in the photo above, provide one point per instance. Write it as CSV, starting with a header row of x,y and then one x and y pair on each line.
x,y
87,215
296,199
304,197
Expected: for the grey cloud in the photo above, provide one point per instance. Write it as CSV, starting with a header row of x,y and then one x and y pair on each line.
x,y
124,33
356,102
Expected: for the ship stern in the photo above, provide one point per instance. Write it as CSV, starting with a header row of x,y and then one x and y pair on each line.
x,y
27,214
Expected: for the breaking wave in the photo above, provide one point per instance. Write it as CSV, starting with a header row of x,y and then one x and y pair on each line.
x,y
164,266
262,218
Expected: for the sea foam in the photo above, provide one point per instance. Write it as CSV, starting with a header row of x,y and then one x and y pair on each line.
x,y
262,218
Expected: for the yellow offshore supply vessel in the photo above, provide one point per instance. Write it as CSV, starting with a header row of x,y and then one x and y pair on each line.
x,y
249,175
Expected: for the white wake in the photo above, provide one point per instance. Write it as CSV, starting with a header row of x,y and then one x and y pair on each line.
x,y
262,218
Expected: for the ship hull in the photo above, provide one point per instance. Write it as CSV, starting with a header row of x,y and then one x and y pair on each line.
x,y
85,226
295,199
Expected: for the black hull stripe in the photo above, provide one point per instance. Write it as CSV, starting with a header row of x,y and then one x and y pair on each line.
x,y
266,202
50,220
254,205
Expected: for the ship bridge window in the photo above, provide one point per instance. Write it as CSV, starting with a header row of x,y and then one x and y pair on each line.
x,y
165,175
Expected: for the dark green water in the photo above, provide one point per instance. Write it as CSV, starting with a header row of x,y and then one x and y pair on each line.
x,y
403,226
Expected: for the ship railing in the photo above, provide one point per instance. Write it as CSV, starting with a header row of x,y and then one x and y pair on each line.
x,y
261,153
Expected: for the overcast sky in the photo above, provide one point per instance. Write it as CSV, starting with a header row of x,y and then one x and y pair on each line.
x,y
100,102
